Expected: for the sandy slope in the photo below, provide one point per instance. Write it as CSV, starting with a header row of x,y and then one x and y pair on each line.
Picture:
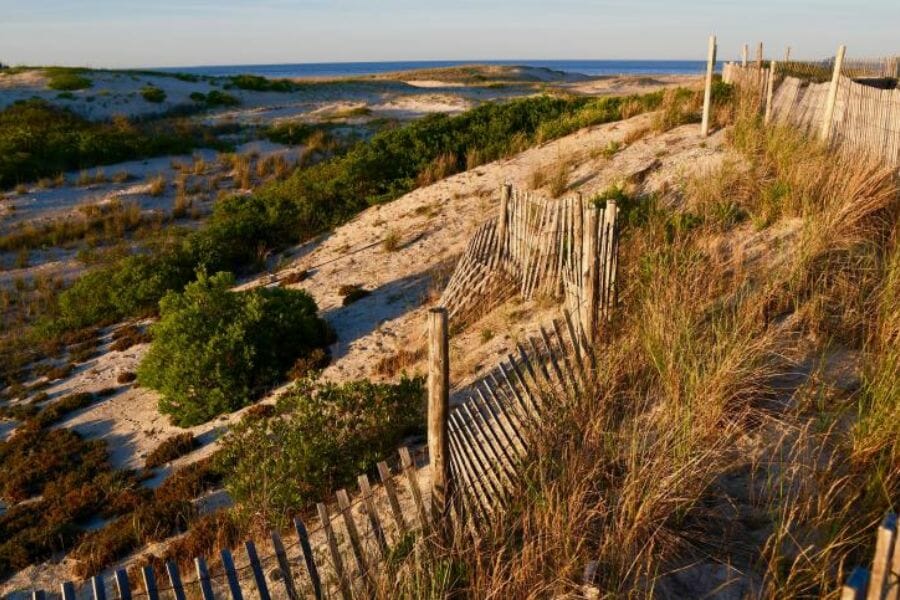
x,y
434,223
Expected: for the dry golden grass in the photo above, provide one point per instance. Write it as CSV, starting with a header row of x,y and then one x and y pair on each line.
x,y
716,429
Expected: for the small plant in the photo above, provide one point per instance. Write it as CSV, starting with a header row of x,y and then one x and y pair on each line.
x,y
352,293
126,377
391,241
153,94
559,181
121,177
486,335
129,335
67,80
170,449
157,186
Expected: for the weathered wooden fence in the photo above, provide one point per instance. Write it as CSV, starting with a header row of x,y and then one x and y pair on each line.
x,y
565,249
476,449
842,111
882,582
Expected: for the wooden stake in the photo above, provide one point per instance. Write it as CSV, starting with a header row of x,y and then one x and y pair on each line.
x,y
258,578
175,580
231,574
744,55
284,566
787,54
707,94
855,588
122,584
334,550
308,558
438,408
770,90
759,55
832,93
203,575
503,223
149,582
881,564
589,266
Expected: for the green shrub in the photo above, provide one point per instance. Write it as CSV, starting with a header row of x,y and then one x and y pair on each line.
x,y
67,79
214,350
62,407
261,84
153,94
170,449
215,98
325,436
38,139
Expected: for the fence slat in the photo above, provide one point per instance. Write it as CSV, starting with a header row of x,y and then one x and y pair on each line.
x,y
234,585
38,595
343,501
387,481
258,578
67,589
149,579
284,566
122,584
335,552
98,587
203,575
175,580
887,533
409,468
308,558
372,513
476,485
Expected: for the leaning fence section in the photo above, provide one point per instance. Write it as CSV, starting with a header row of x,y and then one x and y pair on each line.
x,y
565,249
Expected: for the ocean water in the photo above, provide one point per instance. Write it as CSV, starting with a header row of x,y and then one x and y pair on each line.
x,y
350,69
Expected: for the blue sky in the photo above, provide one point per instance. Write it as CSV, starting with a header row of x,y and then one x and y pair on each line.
x,y
128,33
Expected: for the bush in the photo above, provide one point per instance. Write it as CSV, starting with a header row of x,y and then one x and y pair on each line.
x,y
261,84
327,434
215,98
153,94
38,139
170,449
215,350
66,80
126,377
129,335
62,407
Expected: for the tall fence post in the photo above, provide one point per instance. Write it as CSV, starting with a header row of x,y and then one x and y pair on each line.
x,y
590,272
832,93
438,414
770,91
759,55
707,94
787,54
505,193
745,52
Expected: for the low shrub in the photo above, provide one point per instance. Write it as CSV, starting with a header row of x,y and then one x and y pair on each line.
x,y
214,350
352,293
126,377
153,94
327,434
56,411
67,80
129,335
261,84
170,449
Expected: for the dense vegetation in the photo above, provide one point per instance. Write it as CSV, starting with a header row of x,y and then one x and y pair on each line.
x,y
38,139
324,435
215,350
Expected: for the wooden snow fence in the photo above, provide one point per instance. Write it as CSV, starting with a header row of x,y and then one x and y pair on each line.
x,y
564,249
882,581
843,111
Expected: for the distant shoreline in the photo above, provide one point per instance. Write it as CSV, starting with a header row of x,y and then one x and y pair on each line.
x,y
340,70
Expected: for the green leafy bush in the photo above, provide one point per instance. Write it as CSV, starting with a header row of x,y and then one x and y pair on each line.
x,y
153,94
67,79
261,84
39,139
214,350
215,98
325,435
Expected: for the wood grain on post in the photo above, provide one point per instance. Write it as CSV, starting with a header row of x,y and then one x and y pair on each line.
x,y
832,93
503,222
707,92
438,408
770,91
590,272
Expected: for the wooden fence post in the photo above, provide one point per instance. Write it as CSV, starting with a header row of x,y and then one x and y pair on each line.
x,y
881,563
787,54
438,413
770,91
590,272
707,94
759,55
502,225
832,93
744,54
